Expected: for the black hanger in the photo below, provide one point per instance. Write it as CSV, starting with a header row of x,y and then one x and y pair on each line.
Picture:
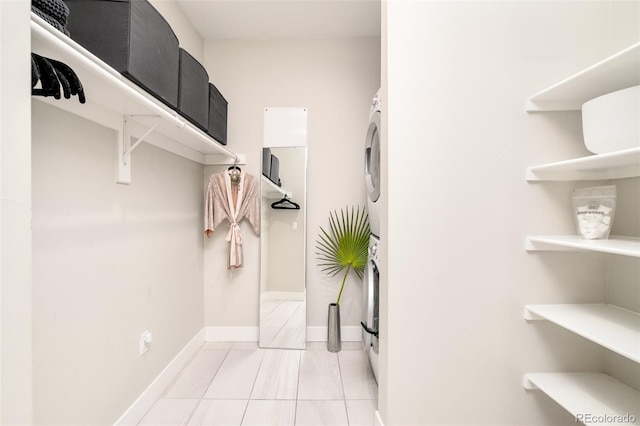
x,y
35,72
75,87
235,165
52,74
66,86
285,204
48,78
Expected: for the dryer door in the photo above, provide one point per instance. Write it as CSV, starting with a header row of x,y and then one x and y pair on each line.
x,y
367,304
370,288
372,157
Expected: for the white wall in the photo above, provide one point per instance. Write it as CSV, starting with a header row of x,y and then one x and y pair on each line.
x,y
188,37
15,215
109,262
335,79
454,344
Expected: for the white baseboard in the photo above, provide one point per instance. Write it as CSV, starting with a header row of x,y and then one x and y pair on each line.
x,y
231,334
347,334
377,419
139,408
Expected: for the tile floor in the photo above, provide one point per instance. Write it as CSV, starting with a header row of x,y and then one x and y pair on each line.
x,y
282,324
240,384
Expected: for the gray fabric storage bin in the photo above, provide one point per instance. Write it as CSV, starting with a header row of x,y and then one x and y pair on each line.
x,y
133,38
54,12
217,115
193,91
266,162
274,173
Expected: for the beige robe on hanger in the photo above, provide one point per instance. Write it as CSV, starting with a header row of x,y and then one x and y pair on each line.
x,y
225,200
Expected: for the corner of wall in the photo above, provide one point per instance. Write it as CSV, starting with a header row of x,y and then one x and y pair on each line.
x,y
16,389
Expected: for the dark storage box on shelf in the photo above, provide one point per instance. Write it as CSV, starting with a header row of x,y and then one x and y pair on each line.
x,y
217,115
54,12
274,173
133,38
266,162
193,91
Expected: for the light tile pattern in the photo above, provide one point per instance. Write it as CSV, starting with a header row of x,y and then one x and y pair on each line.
x,y
218,412
283,324
320,376
318,413
169,412
278,375
236,376
261,413
196,377
357,377
241,384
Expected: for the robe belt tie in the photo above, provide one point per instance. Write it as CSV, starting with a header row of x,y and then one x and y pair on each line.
x,y
234,237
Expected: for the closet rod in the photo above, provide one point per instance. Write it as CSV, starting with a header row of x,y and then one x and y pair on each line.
x,y
216,146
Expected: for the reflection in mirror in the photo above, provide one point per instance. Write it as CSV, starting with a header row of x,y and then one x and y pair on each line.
x,y
282,239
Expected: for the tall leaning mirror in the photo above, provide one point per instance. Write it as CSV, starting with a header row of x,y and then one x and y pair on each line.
x,y
283,229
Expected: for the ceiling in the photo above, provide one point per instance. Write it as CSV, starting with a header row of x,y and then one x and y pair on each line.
x,y
269,19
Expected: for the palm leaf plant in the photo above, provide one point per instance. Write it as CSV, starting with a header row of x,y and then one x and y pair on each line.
x,y
344,246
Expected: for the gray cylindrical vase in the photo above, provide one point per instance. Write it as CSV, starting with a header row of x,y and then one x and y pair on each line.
x,y
334,343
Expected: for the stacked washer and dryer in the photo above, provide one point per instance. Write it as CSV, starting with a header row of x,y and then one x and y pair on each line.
x,y
371,287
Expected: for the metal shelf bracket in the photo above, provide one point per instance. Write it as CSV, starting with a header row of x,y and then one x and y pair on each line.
x,y
528,384
125,148
531,316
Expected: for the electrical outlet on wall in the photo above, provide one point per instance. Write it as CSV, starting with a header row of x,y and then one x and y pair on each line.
x,y
145,341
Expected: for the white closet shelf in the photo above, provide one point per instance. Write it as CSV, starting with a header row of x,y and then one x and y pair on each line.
x,y
592,398
625,246
609,326
612,165
110,98
272,191
616,72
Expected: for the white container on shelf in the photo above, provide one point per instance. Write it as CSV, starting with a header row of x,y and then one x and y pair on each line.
x,y
612,122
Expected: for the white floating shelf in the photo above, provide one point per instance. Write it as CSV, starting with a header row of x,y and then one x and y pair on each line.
x,y
593,399
625,246
110,97
616,72
614,328
272,191
612,165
